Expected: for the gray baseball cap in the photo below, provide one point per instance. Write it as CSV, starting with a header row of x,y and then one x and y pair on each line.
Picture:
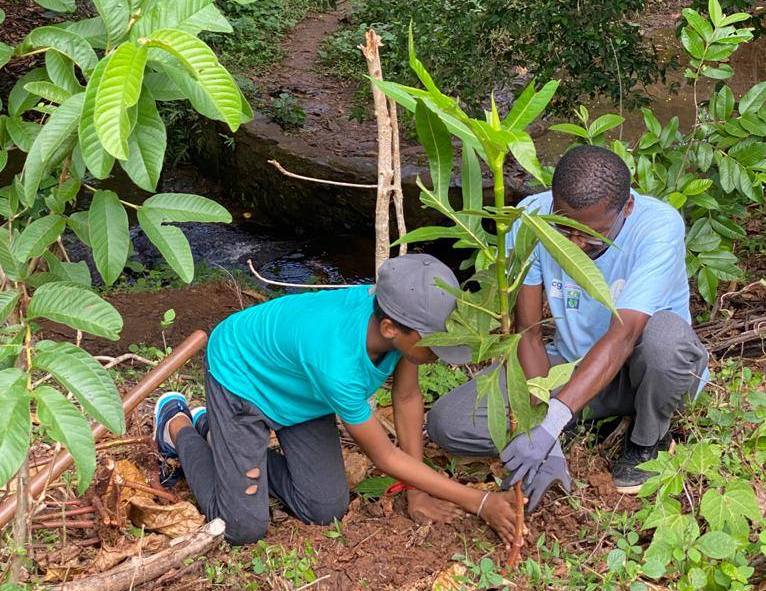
x,y
406,290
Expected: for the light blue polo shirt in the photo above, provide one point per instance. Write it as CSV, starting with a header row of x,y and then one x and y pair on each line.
x,y
645,269
300,357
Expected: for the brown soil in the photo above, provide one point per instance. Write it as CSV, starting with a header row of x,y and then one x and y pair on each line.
x,y
196,307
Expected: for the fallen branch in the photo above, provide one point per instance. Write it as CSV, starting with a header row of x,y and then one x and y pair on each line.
x,y
112,361
260,277
71,513
140,570
281,169
127,441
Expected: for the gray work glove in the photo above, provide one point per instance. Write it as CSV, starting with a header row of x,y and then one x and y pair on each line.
x,y
554,469
524,455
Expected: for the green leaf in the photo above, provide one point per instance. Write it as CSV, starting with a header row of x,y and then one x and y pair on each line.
x,y
753,99
65,424
707,284
702,237
6,51
700,24
570,129
82,375
37,236
752,123
22,133
15,422
728,228
116,17
109,235
697,186
373,487
48,91
572,260
472,186
615,560
191,16
558,375
529,104
146,145
78,308
97,159
721,260
715,13
19,100
717,545
8,262
119,90
604,124
8,300
704,201
186,207
722,72
522,410
169,240
64,41
738,503
693,43
70,272
488,385
58,5
60,70
436,141
54,134
429,233
523,150
651,122
93,30
78,222
202,63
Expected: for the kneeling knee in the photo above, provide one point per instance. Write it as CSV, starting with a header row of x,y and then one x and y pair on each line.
x,y
326,512
241,533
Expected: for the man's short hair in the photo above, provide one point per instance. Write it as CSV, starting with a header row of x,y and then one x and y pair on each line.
x,y
381,315
588,174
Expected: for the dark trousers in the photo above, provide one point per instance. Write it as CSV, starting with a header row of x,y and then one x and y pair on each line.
x,y
665,366
308,475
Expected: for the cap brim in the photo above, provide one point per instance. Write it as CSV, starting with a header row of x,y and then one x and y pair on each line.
x,y
459,355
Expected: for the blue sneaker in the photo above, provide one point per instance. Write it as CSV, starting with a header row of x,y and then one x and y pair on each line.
x,y
167,407
200,421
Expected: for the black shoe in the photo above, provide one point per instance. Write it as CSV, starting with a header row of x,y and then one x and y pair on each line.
x,y
627,477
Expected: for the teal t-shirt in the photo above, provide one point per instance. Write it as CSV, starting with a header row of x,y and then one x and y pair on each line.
x,y
299,357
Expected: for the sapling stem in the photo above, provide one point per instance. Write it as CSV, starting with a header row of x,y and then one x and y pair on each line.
x,y
505,323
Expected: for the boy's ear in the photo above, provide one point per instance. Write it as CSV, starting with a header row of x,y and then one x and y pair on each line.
x,y
388,329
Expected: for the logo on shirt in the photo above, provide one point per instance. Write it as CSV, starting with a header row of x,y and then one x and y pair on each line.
x,y
572,298
557,289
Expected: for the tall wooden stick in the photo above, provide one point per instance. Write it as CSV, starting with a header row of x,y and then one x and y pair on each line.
x,y
389,166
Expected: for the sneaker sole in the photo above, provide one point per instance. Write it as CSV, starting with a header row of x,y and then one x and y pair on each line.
x,y
633,490
159,404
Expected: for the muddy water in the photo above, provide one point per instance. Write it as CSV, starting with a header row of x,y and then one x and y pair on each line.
x,y
749,63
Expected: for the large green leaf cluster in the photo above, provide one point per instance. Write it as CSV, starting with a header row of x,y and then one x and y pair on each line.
x,y
714,171
90,104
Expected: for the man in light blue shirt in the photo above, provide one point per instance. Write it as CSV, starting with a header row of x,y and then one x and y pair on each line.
x,y
640,365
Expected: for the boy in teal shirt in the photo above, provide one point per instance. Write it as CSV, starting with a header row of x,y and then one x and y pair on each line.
x,y
293,365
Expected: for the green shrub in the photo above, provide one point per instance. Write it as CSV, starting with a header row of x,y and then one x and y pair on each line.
x,y
472,46
286,111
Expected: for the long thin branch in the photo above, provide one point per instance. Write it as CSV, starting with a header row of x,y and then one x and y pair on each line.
x,y
293,175
260,277
396,183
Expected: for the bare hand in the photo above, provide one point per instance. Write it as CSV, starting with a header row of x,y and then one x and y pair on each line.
x,y
423,508
500,513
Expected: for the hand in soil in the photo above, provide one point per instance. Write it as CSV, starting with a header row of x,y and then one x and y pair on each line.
x,y
423,508
500,513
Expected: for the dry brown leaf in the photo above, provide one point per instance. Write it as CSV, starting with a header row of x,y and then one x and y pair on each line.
x,y
127,470
450,579
357,465
172,520
108,557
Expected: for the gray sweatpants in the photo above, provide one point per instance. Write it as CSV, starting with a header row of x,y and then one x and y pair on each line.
x,y
308,475
666,364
